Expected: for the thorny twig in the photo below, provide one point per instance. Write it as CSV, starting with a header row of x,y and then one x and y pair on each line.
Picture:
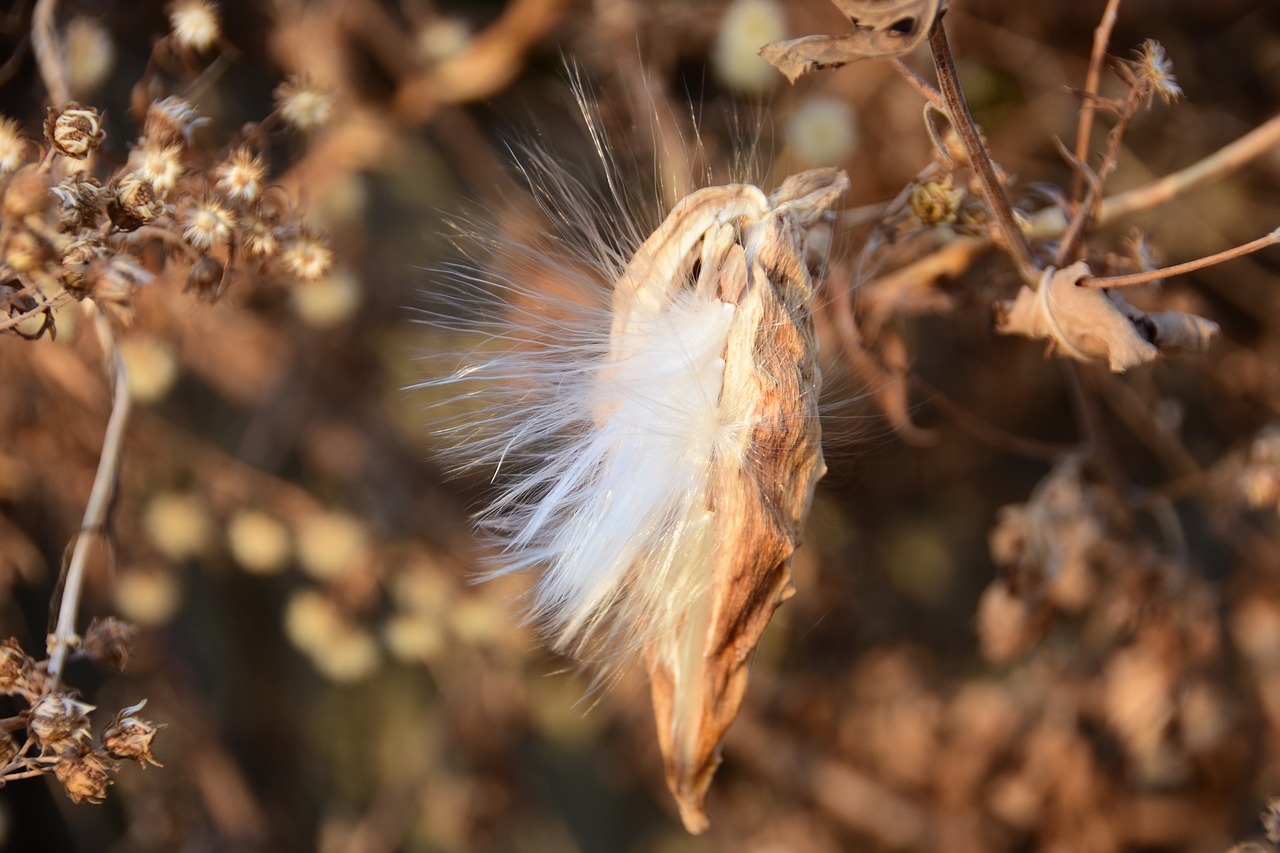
x,y
95,512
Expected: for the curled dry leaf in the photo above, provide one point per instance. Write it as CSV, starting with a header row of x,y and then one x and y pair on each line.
x,y
881,28
1093,324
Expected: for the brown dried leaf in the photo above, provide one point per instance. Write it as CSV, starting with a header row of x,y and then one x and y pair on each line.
x,y
881,28
1092,324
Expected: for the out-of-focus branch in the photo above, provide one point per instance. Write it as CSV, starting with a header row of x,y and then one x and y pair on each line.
x,y
48,52
95,513
490,61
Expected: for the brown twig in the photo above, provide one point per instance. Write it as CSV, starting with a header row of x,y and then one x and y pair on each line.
x,y
95,512
1001,210
1231,157
918,83
1101,38
1190,266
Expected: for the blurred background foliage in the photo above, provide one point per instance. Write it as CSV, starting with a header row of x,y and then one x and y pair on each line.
x,y
1038,605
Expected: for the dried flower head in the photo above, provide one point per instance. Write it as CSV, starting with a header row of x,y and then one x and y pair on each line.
x,y
260,237
8,748
171,121
935,202
158,164
208,223
59,723
27,193
74,131
307,255
15,667
13,148
129,736
110,642
240,176
132,202
77,258
85,775
195,24
1153,72
79,200
205,279
304,105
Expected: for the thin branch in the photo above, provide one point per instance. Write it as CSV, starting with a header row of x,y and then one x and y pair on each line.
x,y
1231,157
918,83
95,512
1101,38
1001,211
1190,266
1086,213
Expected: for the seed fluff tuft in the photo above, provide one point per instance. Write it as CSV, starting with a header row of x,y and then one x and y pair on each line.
x,y
645,401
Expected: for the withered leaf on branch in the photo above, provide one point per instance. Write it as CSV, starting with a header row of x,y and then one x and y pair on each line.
x,y
881,28
1094,324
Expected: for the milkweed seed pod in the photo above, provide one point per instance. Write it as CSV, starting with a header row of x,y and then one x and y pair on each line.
x,y
657,449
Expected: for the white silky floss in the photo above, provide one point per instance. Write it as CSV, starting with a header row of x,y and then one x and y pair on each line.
x,y
654,436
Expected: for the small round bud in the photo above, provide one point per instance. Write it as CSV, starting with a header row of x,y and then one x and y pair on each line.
x,y
85,775
935,202
129,736
303,105
59,722
205,280
195,24
74,131
110,642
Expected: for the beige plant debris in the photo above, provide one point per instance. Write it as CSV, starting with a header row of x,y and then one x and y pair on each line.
x,y
1095,324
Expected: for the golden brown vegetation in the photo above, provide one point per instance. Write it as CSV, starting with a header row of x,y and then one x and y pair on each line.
x,y
1037,605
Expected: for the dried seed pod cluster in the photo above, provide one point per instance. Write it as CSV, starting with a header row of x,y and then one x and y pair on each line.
x,y
74,231
56,725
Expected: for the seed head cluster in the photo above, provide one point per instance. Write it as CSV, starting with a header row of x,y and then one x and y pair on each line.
x,y
73,231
